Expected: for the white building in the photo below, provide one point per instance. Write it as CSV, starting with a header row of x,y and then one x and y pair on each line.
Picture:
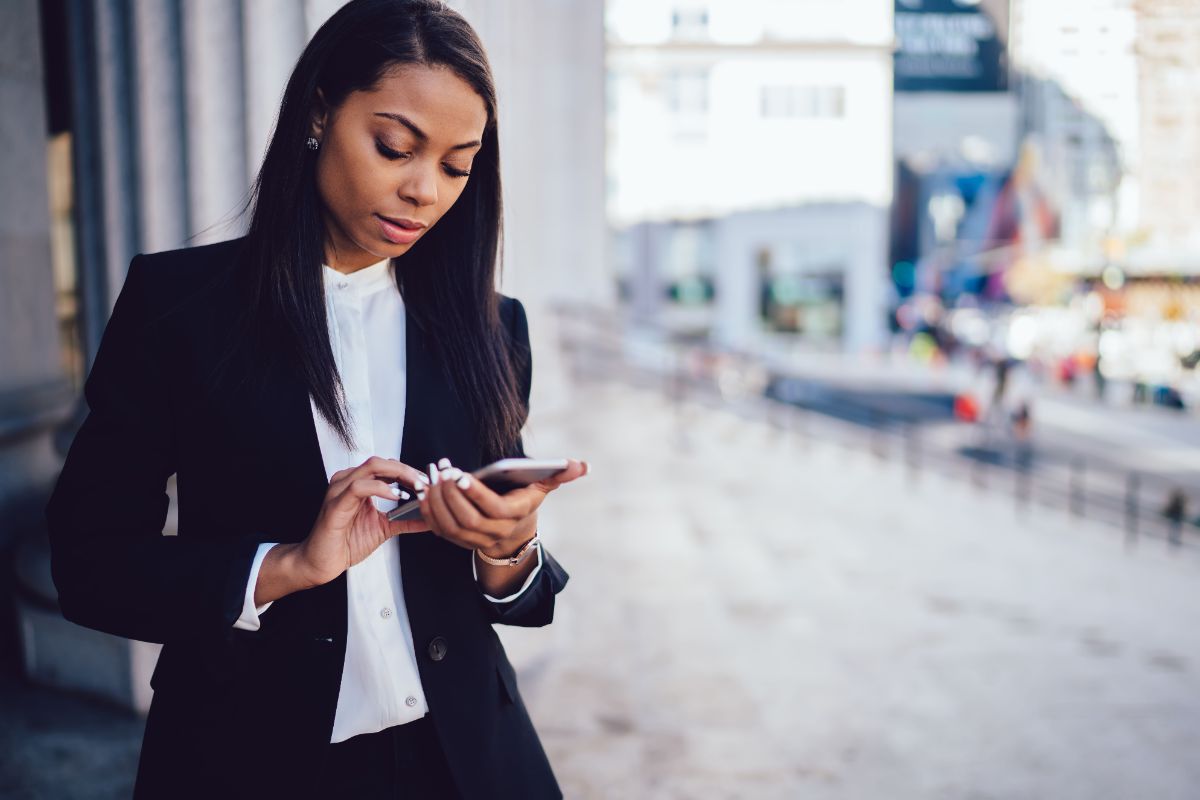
x,y
1168,47
721,108
1080,105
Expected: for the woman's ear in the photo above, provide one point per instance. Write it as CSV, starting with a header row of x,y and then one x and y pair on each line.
x,y
319,116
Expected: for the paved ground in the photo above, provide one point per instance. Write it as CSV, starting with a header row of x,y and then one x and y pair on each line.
x,y
750,619
55,746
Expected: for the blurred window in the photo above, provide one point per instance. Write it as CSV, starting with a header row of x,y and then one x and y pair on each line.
x,y
690,23
803,102
687,91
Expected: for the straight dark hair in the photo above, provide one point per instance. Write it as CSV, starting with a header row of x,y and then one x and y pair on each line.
x,y
447,279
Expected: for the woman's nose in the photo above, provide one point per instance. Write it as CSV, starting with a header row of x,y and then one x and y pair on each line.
x,y
420,187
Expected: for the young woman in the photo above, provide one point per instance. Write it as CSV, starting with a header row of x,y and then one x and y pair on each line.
x,y
348,351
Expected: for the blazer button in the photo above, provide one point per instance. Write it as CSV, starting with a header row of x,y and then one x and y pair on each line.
x,y
437,648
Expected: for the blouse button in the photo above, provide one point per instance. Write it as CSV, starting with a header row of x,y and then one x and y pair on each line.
x,y
410,701
385,612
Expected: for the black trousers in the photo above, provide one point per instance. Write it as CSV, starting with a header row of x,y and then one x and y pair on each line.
x,y
404,762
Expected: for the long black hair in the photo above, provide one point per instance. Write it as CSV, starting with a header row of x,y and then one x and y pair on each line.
x,y
447,279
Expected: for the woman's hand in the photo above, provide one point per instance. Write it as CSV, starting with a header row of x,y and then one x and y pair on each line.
x,y
349,527
471,515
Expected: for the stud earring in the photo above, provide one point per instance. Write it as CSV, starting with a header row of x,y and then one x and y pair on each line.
x,y
312,143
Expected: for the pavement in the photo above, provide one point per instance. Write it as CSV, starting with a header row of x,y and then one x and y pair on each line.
x,y
755,614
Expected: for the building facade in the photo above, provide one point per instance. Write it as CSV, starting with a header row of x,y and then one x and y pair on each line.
x,y
721,111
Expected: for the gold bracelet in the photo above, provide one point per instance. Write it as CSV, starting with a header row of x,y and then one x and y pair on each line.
x,y
513,560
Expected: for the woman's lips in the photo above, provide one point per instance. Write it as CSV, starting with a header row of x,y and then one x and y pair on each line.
x,y
398,233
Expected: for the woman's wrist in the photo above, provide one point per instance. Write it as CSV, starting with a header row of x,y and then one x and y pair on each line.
x,y
284,571
509,548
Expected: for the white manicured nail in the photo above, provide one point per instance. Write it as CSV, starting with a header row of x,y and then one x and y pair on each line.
x,y
404,495
433,474
444,463
452,474
464,482
396,492
420,495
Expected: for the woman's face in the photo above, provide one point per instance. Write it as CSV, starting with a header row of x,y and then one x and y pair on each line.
x,y
393,160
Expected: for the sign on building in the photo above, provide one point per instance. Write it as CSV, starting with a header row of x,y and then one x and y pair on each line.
x,y
949,46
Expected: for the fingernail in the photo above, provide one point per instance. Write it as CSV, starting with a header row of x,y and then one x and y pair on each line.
x,y
453,474
404,495
433,474
420,495
464,482
396,492
443,463
587,468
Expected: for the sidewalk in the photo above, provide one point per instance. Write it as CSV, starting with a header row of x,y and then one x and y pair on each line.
x,y
751,617
747,619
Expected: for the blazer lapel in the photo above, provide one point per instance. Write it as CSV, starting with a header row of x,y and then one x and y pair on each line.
x,y
436,424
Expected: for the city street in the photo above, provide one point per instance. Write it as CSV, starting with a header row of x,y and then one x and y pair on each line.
x,y
752,614
1071,429
747,618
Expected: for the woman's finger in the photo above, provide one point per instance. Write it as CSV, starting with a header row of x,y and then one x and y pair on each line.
x,y
575,469
517,504
402,526
378,467
468,515
366,487
496,506
445,522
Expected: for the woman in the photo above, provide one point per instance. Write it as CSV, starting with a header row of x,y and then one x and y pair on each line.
x,y
296,381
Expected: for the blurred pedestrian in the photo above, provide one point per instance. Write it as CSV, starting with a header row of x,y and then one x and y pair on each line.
x,y
294,380
1175,511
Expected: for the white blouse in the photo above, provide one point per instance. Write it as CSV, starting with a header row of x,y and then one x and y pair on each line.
x,y
381,685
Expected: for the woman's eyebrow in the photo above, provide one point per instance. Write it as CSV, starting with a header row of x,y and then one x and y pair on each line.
x,y
420,134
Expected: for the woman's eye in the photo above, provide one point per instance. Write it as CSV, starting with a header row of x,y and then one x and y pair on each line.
x,y
388,152
455,172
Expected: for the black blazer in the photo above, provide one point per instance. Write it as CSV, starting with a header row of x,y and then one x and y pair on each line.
x,y
249,469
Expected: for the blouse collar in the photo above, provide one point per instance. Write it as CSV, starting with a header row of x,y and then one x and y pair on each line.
x,y
376,276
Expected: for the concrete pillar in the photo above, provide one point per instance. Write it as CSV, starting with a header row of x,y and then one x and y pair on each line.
x,y
273,36
117,168
162,134
33,391
217,175
548,59
316,12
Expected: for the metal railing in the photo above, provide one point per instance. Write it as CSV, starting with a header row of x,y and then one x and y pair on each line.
x,y
1137,502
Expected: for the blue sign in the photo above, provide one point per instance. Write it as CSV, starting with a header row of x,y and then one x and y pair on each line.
x,y
948,46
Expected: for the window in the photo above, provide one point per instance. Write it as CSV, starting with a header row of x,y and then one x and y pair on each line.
x,y
690,23
687,92
803,102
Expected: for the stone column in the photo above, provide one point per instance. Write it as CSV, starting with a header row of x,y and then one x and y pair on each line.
x,y
273,36
33,390
217,175
162,152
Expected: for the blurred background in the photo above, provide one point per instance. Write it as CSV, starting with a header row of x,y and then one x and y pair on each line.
x,y
879,321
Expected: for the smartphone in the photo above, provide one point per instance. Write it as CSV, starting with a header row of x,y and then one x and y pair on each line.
x,y
501,477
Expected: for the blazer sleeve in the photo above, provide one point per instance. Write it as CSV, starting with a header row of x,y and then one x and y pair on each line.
x,y
114,569
534,607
